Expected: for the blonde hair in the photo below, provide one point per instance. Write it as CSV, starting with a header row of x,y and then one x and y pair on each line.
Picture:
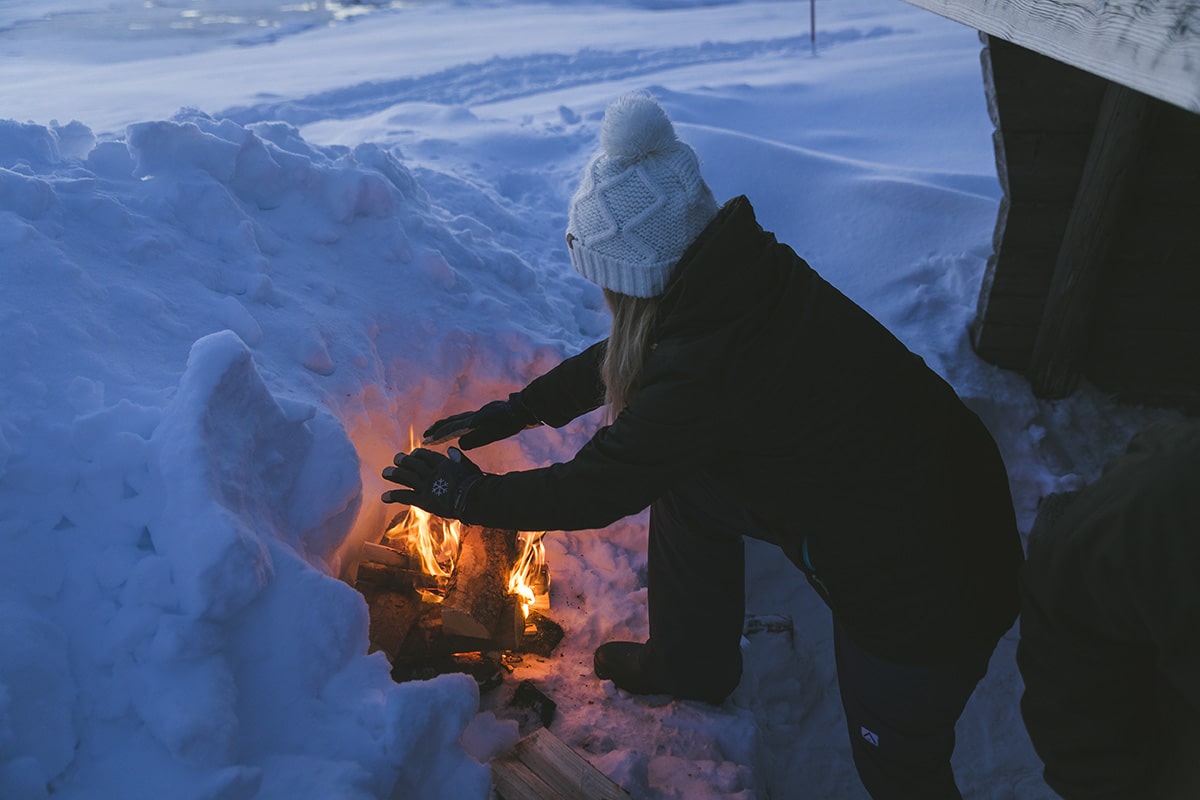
x,y
628,346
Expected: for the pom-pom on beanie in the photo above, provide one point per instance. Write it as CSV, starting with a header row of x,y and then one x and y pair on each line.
x,y
641,202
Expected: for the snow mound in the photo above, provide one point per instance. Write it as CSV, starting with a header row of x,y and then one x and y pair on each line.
x,y
194,405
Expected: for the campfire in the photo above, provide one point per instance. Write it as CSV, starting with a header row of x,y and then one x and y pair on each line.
x,y
449,597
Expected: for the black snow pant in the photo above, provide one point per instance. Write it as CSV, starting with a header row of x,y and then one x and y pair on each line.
x,y
900,717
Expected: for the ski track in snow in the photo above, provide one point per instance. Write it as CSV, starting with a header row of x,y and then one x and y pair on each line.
x,y
508,78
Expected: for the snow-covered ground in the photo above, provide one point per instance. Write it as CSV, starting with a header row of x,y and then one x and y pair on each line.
x,y
245,247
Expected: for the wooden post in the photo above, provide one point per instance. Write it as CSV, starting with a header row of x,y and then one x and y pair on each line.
x,y
1061,343
812,24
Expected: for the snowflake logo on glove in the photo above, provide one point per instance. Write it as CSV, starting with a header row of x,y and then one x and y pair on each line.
x,y
440,487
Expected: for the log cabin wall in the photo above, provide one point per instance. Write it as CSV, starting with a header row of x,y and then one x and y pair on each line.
x,y
1043,112
1139,330
1096,264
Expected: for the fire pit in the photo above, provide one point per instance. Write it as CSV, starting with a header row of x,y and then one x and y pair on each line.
x,y
448,597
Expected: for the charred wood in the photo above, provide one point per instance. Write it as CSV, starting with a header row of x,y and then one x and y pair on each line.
x,y
478,593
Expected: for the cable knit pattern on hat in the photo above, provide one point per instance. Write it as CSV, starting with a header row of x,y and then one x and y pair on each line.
x,y
641,202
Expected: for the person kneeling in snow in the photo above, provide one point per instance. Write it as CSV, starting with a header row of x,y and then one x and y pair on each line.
x,y
748,397
1110,626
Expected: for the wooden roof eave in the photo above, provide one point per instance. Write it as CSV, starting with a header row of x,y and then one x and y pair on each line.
x,y
1152,46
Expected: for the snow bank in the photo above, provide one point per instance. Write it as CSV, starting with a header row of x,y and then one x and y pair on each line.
x,y
178,488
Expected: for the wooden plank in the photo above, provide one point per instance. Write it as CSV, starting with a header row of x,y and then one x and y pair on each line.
x,y
382,554
513,780
1062,333
1150,45
565,771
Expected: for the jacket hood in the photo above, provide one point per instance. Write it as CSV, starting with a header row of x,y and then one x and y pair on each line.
x,y
721,276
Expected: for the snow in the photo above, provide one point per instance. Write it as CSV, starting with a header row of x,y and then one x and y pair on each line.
x,y
246,247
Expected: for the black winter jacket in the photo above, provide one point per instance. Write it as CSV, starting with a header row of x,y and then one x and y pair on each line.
x,y
1110,628
839,442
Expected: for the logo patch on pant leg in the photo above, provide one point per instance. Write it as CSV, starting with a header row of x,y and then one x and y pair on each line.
x,y
869,736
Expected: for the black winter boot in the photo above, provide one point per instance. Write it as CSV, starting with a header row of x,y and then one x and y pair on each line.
x,y
633,667
625,664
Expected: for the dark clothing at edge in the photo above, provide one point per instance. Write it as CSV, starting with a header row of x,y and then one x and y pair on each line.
x,y
1110,627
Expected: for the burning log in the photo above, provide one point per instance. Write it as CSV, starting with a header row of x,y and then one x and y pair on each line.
x,y
542,635
393,603
392,617
487,669
477,598
447,597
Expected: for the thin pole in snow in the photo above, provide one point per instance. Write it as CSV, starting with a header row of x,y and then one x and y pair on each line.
x,y
812,24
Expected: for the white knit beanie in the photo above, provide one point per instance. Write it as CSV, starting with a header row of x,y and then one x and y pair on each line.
x,y
641,201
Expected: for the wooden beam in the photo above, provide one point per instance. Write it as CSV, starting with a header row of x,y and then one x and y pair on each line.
x,y
1060,347
1150,45
515,781
543,767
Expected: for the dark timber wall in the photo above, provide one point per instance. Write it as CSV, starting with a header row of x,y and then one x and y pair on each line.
x,y
1096,264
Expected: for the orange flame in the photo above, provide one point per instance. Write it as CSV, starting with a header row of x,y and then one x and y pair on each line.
x,y
527,569
437,542
434,540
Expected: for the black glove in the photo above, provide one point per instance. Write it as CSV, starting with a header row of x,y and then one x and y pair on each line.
x,y
437,483
497,420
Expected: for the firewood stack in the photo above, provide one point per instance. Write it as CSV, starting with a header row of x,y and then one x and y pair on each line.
x,y
427,625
